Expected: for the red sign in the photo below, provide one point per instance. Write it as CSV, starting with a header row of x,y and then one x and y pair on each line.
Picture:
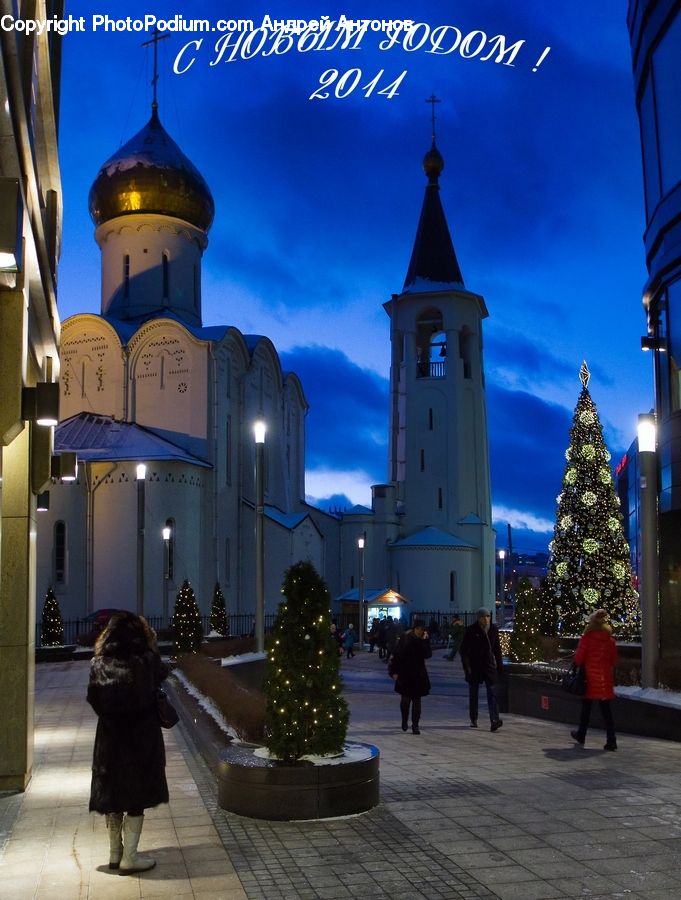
x,y
544,702
621,464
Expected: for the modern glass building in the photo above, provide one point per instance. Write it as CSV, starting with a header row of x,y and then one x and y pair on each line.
x,y
655,33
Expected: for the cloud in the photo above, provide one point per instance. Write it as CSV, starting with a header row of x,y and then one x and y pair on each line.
x,y
351,486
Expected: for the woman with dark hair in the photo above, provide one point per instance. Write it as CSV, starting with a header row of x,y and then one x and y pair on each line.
x,y
597,652
128,764
407,667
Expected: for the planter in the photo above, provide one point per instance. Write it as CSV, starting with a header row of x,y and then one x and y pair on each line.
x,y
55,654
532,695
269,789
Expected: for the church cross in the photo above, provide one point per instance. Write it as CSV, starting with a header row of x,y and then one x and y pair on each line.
x,y
157,36
433,100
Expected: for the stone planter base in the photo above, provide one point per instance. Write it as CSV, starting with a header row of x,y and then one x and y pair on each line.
x,y
269,789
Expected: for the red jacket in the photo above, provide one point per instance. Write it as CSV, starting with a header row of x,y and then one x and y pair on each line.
x,y
597,652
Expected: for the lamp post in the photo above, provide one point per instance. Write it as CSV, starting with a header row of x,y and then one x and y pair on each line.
x,y
502,588
360,547
648,576
259,429
141,482
166,571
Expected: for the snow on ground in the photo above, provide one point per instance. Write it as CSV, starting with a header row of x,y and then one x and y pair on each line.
x,y
351,753
207,705
242,658
650,695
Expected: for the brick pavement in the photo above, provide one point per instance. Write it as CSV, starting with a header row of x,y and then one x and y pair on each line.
x,y
523,814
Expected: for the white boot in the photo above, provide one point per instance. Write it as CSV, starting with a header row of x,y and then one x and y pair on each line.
x,y
131,861
114,824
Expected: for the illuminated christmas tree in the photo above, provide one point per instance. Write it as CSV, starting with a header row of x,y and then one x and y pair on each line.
x,y
525,645
306,711
52,630
589,567
218,612
187,621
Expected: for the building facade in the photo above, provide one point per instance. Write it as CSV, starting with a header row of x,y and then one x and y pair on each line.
x,y
655,32
30,237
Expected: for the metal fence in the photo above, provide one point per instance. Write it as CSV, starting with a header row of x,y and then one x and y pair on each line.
x,y
76,631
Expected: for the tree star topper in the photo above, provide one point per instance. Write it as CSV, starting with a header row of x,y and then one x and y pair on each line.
x,y
584,374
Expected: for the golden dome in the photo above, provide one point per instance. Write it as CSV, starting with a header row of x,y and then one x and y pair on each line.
x,y
150,174
433,163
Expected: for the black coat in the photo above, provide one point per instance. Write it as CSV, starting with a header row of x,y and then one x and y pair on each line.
x,y
128,764
408,662
481,653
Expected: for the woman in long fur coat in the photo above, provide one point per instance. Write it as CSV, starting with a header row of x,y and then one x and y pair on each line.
x,y
128,765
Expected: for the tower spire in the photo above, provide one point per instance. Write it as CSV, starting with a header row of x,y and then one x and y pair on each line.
x,y
433,258
156,37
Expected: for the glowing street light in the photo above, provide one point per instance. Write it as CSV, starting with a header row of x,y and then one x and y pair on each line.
x,y
648,575
259,429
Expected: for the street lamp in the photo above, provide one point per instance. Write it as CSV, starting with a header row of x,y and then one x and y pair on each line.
x,y
141,482
259,429
502,589
166,570
648,576
360,547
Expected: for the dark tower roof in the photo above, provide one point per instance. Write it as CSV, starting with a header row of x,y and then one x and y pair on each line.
x,y
433,258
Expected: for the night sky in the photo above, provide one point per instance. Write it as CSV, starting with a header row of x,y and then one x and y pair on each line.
x,y
317,203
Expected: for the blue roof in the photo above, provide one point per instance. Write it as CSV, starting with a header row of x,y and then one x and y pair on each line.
x,y
371,595
433,537
358,510
94,437
288,520
470,519
126,329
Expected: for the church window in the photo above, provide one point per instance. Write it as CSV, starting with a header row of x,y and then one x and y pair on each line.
x,y
465,337
352,582
439,498
228,450
170,523
431,345
60,552
228,563
166,276
430,419
452,587
423,460
126,275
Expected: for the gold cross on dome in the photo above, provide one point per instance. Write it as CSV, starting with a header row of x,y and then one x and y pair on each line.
x,y
156,37
433,100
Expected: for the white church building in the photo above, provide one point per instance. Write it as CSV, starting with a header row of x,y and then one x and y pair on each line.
x,y
160,410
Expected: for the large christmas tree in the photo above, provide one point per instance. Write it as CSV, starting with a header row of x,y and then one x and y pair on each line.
x,y
306,711
52,628
589,567
187,621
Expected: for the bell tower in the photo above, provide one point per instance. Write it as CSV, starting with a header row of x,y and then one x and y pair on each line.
x,y
438,446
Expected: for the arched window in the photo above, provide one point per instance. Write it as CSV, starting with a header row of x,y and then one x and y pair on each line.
x,y
465,338
431,345
170,523
60,552
452,587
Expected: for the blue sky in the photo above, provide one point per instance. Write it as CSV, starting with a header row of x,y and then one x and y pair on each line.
x,y
317,203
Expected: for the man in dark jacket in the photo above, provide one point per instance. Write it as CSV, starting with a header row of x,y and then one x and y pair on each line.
x,y
481,659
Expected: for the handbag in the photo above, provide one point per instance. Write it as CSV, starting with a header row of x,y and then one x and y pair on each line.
x,y
167,714
574,681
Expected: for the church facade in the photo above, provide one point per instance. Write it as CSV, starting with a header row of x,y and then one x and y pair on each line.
x,y
160,410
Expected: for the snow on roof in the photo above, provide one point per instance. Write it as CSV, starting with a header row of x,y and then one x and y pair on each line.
x,y
358,510
127,329
288,520
470,519
426,286
432,537
94,437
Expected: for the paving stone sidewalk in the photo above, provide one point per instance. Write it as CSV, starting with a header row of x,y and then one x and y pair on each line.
x,y
522,814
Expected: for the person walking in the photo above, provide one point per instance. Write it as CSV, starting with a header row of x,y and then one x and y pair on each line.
x,y
407,668
349,639
597,653
128,762
482,664
456,633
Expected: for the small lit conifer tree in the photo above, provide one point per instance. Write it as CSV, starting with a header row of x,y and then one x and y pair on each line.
x,y
218,612
589,567
306,711
187,621
525,645
52,630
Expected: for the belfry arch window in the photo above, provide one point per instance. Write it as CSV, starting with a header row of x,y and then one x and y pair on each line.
x,y
431,345
465,339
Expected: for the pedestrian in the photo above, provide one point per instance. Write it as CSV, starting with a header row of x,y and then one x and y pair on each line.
x,y
373,635
456,633
336,635
482,663
349,639
597,653
391,636
407,668
128,763
383,638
